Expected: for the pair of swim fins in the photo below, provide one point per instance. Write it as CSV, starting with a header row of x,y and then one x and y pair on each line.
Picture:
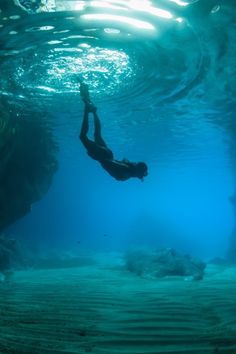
x,y
84,93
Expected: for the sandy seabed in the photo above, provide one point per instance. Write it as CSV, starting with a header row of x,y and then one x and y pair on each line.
x,y
103,309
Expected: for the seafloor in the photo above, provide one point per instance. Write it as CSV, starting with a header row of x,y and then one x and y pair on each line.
x,y
102,308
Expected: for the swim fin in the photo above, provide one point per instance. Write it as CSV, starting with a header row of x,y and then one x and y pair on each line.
x,y
84,92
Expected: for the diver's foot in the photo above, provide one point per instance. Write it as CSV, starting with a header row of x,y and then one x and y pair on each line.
x,y
84,92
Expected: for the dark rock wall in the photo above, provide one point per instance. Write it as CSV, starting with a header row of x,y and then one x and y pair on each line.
x,y
27,161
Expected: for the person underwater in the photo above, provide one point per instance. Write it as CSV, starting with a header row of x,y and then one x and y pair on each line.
x,y
121,170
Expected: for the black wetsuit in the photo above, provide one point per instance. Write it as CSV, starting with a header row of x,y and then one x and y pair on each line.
x,y
118,169
98,150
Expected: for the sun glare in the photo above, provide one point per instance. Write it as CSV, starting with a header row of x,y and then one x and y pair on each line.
x,y
121,19
180,2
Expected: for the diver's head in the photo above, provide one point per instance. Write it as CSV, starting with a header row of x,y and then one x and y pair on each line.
x,y
141,170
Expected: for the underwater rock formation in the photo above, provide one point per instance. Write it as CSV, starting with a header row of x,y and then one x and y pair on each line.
x,y
10,255
165,262
27,161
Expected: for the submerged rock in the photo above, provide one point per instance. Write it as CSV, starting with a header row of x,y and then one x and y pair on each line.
x,y
165,262
27,161
10,257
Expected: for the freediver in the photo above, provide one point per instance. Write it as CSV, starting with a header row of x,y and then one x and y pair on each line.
x,y
98,150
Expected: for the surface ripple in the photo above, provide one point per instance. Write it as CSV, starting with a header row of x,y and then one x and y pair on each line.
x,y
45,53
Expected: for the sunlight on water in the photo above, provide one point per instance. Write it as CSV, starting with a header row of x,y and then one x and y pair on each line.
x,y
89,63
122,19
179,2
117,46
142,6
125,50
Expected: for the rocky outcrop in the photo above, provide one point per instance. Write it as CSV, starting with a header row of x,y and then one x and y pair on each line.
x,y
10,254
27,161
165,262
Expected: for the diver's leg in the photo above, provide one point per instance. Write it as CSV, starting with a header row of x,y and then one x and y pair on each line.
x,y
85,125
97,130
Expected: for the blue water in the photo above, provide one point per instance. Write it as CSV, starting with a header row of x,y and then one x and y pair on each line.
x,y
165,94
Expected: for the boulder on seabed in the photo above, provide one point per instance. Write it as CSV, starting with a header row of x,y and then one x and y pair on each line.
x,y
164,262
10,257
